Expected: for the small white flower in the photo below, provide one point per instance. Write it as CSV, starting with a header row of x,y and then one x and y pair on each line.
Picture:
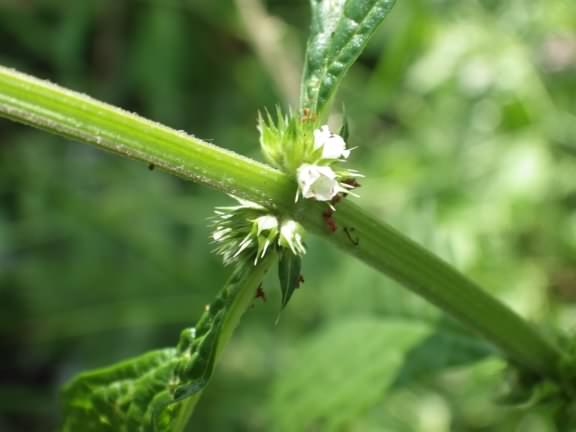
x,y
332,145
291,236
318,182
250,231
265,223
266,233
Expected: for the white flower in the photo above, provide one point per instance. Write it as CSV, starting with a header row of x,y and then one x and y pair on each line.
x,y
318,182
269,224
332,145
250,231
265,223
291,236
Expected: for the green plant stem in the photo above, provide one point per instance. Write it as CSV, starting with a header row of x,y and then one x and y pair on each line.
x,y
392,253
49,107
43,105
242,290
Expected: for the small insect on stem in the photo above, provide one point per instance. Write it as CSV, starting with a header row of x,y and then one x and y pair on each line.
x,y
337,198
151,166
300,281
329,220
348,231
308,115
260,293
352,182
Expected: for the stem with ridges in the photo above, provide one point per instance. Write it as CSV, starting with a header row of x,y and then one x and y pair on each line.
x,y
38,103
393,254
49,107
244,294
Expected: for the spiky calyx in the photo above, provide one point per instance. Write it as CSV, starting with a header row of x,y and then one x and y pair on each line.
x,y
312,154
249,231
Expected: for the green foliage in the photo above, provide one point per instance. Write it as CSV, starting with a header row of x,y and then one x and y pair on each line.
x,y
157,391
286,140
463,115
340,31
121,397
446,346
333,378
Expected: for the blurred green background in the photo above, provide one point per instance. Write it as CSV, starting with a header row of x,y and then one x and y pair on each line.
x,y
464,115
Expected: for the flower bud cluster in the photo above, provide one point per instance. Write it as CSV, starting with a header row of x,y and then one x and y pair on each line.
x,y
322,180
249,231
314,155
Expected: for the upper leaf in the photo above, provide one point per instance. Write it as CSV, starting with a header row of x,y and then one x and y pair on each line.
x,y
339,32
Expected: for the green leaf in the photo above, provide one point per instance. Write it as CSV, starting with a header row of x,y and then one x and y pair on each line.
x,y
448,346
340,31
141,394
289,268
157,391
118,397
347,368
340,372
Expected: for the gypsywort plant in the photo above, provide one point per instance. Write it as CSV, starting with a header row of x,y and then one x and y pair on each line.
x,y
305,188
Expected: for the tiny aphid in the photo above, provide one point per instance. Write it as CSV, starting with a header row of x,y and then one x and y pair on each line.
x,y
337,199
349,181
329,220
307,115
260,293
352,182
151,166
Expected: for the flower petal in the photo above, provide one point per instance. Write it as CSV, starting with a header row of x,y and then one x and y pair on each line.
x,y
333,145
318,182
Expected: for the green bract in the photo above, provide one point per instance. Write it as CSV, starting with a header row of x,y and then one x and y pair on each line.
x,y
248,231
287,140
311,153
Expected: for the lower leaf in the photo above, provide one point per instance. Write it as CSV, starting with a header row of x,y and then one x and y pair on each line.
x,y
157,391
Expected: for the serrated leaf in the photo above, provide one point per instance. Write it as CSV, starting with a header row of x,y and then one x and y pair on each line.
x,y
348,368
146,393
340,31
117,398
289,267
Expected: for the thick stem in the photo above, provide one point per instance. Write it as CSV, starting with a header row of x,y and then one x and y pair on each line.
x,y
393,254
49,107
38,103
